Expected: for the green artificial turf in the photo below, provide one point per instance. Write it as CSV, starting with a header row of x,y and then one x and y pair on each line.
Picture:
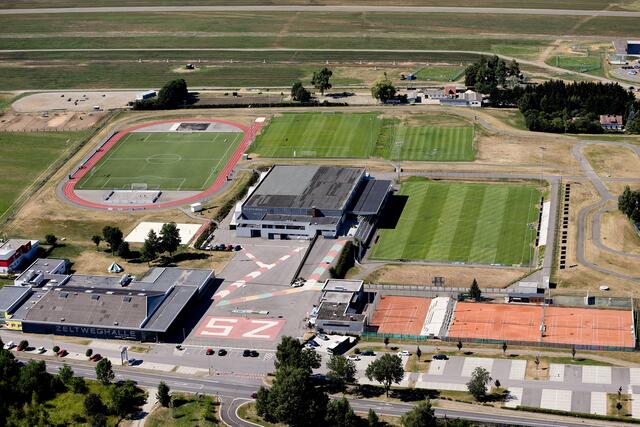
x,y
361,135
163,160
462,222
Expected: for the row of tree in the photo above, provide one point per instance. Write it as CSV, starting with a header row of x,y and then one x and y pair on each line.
x,y
629,204
167,241
488,74
173,94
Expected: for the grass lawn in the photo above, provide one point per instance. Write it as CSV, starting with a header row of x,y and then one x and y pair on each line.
x,y
5,281
462,222
25,156
68,408
248,412
187,410
440,74
319,135
166,161
591,64
362,135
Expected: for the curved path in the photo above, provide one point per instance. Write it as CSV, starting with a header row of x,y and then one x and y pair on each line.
x,y
67,188
598,209
326,9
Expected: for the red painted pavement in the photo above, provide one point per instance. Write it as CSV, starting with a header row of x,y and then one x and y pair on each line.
x,y
69,186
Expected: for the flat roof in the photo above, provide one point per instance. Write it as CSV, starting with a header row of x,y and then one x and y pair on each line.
x,y
337,311
371,197
342,285
10,246
306,187
171,307
10,295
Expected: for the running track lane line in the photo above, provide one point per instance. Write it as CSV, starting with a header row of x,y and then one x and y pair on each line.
x,y
69,186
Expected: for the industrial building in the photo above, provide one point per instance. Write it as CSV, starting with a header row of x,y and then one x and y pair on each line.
x,y
342,307
301,202
14,252
121,307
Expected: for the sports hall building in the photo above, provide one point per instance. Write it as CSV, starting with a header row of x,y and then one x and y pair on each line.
x,y
47,300
301,202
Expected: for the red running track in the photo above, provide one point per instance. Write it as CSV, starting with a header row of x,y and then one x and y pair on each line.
x,y
69,186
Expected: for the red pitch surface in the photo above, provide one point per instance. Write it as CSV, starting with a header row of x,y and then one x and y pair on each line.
x,y
69,186
401,315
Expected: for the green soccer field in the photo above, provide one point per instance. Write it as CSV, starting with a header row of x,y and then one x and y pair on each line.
x,y
163,160
462,222
356,135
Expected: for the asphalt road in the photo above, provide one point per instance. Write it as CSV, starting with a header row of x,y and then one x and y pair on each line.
x,y
325,9
234,394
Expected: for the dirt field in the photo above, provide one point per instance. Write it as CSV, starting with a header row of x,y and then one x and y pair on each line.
x,y
454,276
615,162
67,121
80,101
618,233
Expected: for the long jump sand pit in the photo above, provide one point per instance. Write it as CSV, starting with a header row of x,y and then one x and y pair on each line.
x,y
140,233
582,327
401,315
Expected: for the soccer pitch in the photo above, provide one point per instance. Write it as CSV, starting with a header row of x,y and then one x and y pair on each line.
x,y
163,161
361,135
463,222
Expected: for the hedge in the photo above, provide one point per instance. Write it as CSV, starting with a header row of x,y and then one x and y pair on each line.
x,y
345,262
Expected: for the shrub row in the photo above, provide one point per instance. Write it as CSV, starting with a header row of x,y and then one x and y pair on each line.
x,y
574,414
345,262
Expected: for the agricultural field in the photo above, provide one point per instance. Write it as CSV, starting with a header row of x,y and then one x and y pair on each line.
x,y
440,74
165,161
363,135
30,154
462,222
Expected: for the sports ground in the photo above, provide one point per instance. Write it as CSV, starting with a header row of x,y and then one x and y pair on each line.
x,y
400,315
462,222
361,135
163,161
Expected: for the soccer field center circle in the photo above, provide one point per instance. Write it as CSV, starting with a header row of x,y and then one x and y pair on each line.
x,y
69,186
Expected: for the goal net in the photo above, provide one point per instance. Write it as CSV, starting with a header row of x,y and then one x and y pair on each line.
x,y
139,186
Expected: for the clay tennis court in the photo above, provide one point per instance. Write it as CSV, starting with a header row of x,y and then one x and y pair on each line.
x,y
496,322
401,315
586,326
563,325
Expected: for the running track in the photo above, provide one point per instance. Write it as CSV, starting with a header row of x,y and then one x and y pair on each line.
x,y
69,185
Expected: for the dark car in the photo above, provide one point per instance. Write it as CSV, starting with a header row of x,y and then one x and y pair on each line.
x,y
368,353
254,353
440,357
222,352
210,352
229,248
96,357
62,353
238,248
246,353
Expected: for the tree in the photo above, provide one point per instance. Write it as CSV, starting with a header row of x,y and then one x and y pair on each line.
x,y
299,93
263,404
148,252
78,385
163,395
386,341
96,240
65,373
93,405
504,347
34,380
173,94
573,352
372,419
420,416
113,237
418,353
55,349
386,370
291,353
125,398
474,291
383,89
340,414
341,369
477,385
169,238
459,345
23,345
88,353
320,79
537,362
51,239
104,371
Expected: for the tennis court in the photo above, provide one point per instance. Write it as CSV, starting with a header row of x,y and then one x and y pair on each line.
x,y
496,322
400,315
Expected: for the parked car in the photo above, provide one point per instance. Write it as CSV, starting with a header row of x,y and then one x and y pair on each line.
x,y
229,248
96,357
62,353
254,353
368,353
210,352
238,248
222,352
246,353
403,353
353,357
440,357
9,345
40,350
179,347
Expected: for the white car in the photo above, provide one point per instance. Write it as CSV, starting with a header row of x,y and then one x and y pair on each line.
x,y
404,353
353,357
9,345
40,350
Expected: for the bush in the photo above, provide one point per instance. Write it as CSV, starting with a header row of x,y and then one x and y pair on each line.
x,y
357,350
23,345
78,385
88,353
345,262
55,349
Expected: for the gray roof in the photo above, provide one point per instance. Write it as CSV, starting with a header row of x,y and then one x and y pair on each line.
x,y
305,187
12,295
171,307
332,311
343,285
371,197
